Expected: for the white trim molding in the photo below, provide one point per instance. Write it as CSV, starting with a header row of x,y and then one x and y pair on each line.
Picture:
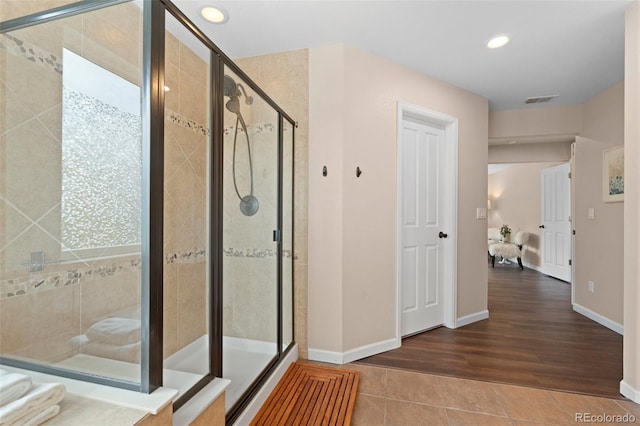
x,y
469,319
611,325
325,356
353,354
629,392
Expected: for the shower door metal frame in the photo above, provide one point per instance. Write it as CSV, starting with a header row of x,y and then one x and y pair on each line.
x,y
218,61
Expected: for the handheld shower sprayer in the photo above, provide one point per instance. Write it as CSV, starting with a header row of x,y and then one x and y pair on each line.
x,y
249,203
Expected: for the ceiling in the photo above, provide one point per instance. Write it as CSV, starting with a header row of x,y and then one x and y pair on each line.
x,y
574,49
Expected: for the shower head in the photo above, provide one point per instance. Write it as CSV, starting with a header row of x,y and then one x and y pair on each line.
x,y
234,90
230,87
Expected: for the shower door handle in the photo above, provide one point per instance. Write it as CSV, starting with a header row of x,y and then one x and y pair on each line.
x,y
276,235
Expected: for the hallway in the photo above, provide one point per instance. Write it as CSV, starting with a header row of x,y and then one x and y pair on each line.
x,y
532,338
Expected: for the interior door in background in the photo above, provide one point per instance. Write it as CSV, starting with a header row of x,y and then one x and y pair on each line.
x,y
421,257
555,235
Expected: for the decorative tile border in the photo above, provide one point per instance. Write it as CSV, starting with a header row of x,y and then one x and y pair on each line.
x,y
182,121
257,253
28,285
30,52
194,256
255,129
75,276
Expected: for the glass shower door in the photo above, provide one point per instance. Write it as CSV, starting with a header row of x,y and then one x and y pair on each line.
x,y
250,273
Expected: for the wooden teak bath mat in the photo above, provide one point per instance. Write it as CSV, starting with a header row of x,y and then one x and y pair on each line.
x,y
310,394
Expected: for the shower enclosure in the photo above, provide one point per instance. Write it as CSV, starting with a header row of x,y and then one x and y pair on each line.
x,y
145,203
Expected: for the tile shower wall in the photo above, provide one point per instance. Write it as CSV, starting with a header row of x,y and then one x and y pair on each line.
x,y
249,264
41,311
185,196
285,77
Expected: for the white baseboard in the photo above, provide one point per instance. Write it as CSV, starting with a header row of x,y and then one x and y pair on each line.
x,y
371,349
353,354
325,356
531,266
469,319
611,325
256,403
629,392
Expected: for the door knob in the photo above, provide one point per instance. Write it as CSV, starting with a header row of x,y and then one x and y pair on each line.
x,y
442,235
541,226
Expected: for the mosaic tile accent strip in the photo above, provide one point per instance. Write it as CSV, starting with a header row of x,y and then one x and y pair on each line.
x,y
194,256
255,129
29,285
258,253
30,52
75,276
182,121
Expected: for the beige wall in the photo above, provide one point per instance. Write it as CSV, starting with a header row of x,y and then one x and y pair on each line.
x,y
352,222
540,124
631,375
515,200
598,242
326,130
530,152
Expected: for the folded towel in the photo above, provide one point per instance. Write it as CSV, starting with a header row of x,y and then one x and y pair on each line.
x,y
42,417
126,353
115,331
78,341
40,398
13,386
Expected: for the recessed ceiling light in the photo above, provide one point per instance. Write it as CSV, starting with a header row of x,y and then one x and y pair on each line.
x,y
498,41
216,15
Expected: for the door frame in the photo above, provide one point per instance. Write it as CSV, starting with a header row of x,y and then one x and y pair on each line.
x,y
449,201
572,213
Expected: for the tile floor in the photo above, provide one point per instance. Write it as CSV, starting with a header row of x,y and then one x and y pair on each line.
x,y
395,397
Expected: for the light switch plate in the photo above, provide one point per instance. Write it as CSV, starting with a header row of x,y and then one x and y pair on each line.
x,y
481,213
591,213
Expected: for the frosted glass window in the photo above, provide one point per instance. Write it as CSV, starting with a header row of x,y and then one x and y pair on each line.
x,y
101,159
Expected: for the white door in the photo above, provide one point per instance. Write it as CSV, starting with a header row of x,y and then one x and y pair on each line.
x,y
421,227
555,235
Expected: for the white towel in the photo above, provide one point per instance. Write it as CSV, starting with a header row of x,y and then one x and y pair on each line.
x,y
115,331
13,386
126,353
40,398
40,418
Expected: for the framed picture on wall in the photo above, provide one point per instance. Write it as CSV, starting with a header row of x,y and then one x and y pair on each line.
x,y
613,174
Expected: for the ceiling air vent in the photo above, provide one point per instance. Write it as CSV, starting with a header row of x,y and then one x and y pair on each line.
x,y
540,99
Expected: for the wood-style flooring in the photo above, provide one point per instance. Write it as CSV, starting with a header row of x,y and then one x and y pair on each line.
x,y
532,338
